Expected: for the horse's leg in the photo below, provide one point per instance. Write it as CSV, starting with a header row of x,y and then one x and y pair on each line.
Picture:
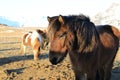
x,y
23,47
36,52
80,76
101,73
91,75
36,46
108,69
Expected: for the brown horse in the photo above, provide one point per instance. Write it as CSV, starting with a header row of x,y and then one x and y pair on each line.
x,y
34,39
91,49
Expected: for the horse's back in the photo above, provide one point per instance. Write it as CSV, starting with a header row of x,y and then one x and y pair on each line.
x,y
108,33
108,28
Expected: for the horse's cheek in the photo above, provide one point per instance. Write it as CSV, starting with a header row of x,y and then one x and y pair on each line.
x,y
54,46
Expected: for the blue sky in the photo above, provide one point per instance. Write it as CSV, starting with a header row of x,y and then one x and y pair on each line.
x,y
33,10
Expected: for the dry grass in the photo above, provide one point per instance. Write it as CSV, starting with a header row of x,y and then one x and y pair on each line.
x,y
17,66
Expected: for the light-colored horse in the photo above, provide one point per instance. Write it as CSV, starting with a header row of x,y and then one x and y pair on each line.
x,y
36,40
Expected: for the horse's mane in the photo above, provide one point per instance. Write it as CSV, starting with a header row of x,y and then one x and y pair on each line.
x,y
85,33
42,33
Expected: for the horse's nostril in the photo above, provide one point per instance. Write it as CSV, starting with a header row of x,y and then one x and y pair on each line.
x,y
53,60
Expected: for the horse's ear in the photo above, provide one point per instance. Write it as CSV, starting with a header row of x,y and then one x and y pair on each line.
x,y
61,19
49,19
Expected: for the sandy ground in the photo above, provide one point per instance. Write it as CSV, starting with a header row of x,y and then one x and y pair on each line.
x,y
17,66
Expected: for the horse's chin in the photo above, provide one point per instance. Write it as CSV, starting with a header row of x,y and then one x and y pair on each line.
x,y
56,60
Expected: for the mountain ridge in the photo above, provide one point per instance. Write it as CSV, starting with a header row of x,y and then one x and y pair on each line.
x,y
8,22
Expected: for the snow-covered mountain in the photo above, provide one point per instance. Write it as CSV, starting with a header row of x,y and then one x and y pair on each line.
x,y
110,16
24,21
6,21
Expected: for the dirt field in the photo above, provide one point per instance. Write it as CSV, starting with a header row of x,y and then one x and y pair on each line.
x,y
17,66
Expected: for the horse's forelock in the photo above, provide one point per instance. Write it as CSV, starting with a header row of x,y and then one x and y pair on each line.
x,y
54,26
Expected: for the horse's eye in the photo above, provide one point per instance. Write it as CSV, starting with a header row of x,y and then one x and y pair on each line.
x,y
62,35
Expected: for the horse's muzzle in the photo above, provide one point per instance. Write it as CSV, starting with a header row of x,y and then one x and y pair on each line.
x,y
54,61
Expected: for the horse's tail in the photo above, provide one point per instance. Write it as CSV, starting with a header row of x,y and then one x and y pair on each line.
x,y
22,50
116,32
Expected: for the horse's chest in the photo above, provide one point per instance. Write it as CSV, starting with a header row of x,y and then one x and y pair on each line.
x,y
82,63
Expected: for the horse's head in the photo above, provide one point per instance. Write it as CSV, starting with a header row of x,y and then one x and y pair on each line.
x,y
70,33
57,34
